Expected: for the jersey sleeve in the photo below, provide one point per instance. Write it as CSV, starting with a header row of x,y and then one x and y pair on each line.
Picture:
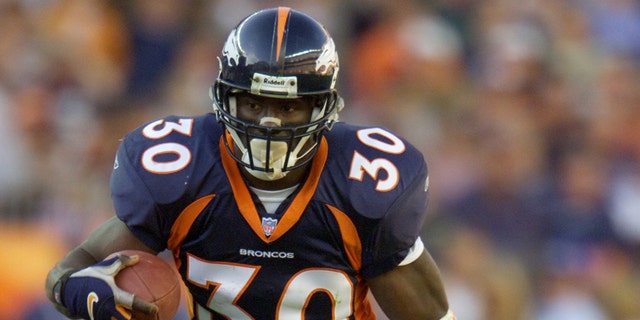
x,y
134,204
159,170
398,229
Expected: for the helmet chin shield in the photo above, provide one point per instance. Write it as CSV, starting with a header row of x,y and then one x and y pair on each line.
x,y
274,158
270,154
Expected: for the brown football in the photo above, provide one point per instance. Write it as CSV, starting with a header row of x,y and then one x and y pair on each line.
x,y
153,280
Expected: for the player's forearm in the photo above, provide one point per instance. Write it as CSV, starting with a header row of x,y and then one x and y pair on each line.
x,y
413,291
408,305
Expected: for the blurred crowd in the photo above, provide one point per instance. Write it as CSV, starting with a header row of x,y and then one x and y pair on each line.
x,y
528,113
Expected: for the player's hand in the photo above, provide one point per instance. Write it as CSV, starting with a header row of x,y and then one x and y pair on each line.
x,y
91,293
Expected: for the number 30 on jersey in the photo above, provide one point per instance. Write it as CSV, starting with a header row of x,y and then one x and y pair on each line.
x,y
180,155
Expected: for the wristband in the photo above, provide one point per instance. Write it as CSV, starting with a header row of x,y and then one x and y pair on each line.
x,y
58,287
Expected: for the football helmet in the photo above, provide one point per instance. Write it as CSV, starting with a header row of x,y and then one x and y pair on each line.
x,y
278,53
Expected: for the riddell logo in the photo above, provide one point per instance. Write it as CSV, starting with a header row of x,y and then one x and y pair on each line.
x,y
264,83
274,82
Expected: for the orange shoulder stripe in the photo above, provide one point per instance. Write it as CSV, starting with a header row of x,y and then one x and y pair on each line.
x,y
184,222
352,244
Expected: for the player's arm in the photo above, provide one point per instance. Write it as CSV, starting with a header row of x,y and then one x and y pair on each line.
x,y
412,291
112,236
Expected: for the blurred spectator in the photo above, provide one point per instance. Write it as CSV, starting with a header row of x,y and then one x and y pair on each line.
x,y
157,30
484,282
616,128
509,202
615,279
19,62
565,302
527,112
89,44
579,211
615,25
190,76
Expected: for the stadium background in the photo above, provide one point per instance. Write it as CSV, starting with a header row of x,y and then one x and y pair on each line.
x,y
528,113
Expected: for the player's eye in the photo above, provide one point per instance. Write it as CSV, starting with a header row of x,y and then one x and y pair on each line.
x,y
288,108
254,106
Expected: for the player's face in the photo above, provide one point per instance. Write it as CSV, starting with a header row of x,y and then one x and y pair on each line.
x,y
267,114
274,112
274,128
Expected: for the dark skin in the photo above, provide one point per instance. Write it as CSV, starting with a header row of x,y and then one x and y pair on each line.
x,y
413,291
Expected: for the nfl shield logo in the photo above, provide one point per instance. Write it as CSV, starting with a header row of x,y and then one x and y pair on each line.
x,y
268,225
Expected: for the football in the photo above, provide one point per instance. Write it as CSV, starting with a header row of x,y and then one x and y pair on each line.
x,y
153,280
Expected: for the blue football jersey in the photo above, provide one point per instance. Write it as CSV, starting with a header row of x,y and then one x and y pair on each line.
x,y
354,217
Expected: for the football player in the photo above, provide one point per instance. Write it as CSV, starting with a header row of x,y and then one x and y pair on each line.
x,y
271,207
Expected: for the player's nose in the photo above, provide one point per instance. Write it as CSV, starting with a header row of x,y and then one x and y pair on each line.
x,y
271,117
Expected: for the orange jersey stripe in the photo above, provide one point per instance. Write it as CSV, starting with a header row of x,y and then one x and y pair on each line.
x,y
248,208
300,202
240,191
353,248
184,222
352,244
283,16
